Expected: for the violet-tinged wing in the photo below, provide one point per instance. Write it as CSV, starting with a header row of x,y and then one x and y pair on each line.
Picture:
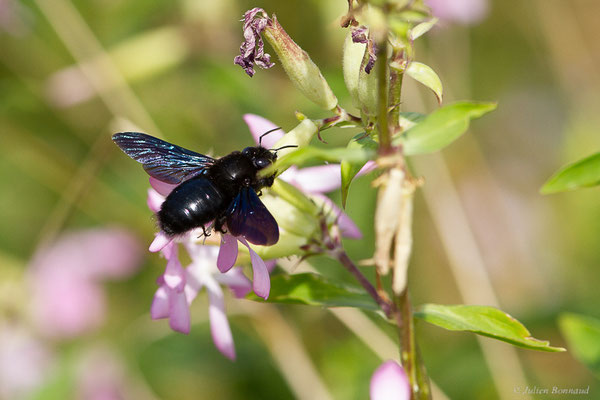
x,y
162,160
248,217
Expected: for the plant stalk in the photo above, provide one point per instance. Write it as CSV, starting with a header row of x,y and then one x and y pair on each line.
x,y
411,361
385,141
386,306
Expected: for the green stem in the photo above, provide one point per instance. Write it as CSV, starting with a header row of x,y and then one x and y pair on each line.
x,y
395,94
409,356
382,97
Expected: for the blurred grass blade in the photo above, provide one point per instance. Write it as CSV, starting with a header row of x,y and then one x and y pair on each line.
x,y
483,320
583,336
441,127
315,290
582,173
426,75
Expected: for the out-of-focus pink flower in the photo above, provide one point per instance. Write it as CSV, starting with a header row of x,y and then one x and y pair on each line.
x,y
466,12
100,375
15,18
67,299
24,362
389,382
312,180
179,286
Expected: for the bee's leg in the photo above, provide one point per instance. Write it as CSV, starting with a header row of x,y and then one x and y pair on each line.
x,y
206,234
219,222
259,192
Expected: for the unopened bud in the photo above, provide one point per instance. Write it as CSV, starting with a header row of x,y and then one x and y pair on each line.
x,y
290,218
353,56
303,72
367,83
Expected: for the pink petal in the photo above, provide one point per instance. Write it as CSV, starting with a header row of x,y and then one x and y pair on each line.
x,y
219,326
179,312
258,126
345,223
161,187
159,242
261,282
170,250
193,284
227,252
368,167
160,304
154,200
271,264
389,382
237,282
321,179
174,276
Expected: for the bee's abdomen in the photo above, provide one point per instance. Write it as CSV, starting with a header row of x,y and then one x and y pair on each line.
x,y
190,205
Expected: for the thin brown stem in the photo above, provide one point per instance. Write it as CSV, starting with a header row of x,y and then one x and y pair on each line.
x,y
386,306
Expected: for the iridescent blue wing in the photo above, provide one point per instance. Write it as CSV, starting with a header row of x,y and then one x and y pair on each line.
x,y
248,217
162,160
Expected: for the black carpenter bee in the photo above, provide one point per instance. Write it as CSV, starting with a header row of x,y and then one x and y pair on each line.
x,y
224,189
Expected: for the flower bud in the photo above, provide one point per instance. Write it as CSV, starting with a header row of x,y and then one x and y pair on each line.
x,y
290,218
353,56
288,245
303,72
367,85
300,136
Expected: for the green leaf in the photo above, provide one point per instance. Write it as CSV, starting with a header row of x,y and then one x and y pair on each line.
x,y
441,127
315,290
427,76
583,337
422,28
350,169
485,321
583,173
308,154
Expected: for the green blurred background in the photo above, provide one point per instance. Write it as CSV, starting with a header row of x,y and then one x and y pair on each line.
x,y
73,73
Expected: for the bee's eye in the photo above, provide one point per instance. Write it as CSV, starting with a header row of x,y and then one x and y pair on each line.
x,y
261,163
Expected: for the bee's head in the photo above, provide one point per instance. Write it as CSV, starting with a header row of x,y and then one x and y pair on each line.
x,y
261,157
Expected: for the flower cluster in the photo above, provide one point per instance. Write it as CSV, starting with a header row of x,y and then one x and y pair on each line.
x,y
212,266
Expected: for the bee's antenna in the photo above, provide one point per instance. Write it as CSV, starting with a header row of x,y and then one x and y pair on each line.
x,y
266,133
284,147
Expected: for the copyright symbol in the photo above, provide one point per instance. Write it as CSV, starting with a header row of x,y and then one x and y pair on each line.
x,y
517,389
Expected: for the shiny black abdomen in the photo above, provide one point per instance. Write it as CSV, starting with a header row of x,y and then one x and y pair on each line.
x,y
191,205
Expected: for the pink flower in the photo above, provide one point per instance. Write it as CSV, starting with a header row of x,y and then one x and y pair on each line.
x,y
314,181
101,375
228,252
25,362
389,382
466,12
179,286
65,276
